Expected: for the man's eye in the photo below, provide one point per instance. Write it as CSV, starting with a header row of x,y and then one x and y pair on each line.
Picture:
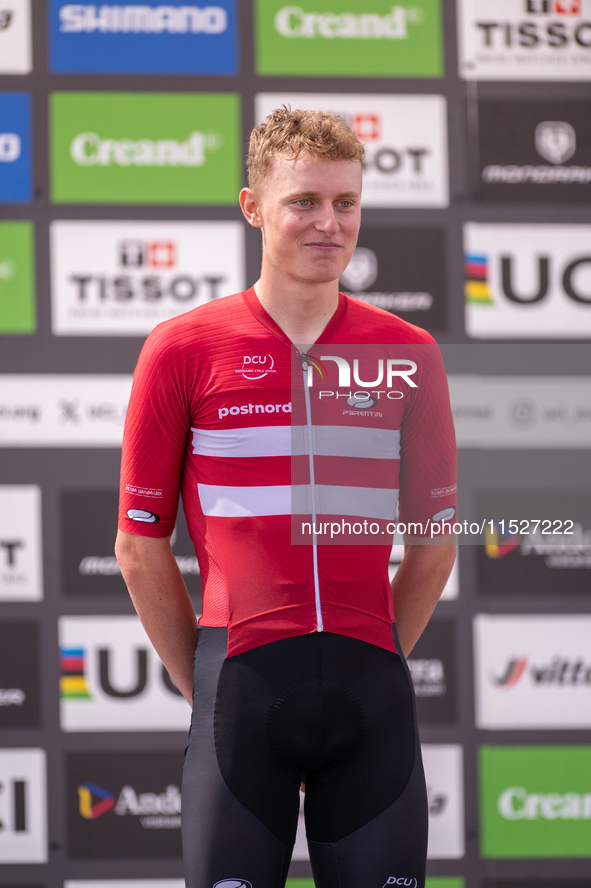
x,y
345,203
304,202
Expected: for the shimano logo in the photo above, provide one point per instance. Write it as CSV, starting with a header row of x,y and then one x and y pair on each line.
x,y
84,18
10,147
245,409
89,149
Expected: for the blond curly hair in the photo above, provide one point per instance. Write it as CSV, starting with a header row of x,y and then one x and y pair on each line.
x,y
288,133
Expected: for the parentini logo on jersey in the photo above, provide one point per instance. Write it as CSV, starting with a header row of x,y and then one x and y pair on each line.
x,y
257,366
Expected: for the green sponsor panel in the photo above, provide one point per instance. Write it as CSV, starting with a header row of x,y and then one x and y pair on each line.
x,y
145,148
17,278
535,801
299,883
349,38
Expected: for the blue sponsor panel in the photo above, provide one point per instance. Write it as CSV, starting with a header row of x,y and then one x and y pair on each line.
x,y
151,38
15,148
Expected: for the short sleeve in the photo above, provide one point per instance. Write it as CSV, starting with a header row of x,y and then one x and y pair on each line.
x,y
157,426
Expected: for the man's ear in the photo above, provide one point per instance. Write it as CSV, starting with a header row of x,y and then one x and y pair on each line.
x,y
251,208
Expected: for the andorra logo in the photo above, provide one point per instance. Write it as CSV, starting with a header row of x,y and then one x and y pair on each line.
x,y
91,811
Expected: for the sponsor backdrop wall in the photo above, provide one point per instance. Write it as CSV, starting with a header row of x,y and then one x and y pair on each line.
x,y
123,130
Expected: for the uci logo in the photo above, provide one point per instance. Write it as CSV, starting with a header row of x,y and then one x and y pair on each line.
x,y
257,366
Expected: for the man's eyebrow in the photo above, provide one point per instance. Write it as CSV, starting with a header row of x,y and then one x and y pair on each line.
x,y
305,194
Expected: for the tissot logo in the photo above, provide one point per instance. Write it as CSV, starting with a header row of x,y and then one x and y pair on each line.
x,y
122,278
526,40
511,268
21,577
532,672
405,141
112,679
176,38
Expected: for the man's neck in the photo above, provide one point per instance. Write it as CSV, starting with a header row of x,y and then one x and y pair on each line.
x,y
301,309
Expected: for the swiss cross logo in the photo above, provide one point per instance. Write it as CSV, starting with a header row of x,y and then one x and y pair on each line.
x,y
153,254
567,7
367,127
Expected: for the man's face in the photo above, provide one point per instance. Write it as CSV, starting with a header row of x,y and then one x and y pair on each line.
x,y
310,215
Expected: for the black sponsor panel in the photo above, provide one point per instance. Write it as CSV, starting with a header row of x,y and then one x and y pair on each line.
x,y
401,270
19,675
89,527
533,151
124,805
432,665
536,543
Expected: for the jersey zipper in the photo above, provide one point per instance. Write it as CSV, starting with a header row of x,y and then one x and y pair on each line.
x,y
319,620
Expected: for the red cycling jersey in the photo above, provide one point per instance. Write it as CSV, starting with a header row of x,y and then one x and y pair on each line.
x,y
211,415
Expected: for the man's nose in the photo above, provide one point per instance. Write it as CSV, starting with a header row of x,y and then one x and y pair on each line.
x,y
326,220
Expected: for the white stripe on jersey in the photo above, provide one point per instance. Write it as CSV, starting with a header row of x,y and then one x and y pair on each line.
x,y
244,502
261,441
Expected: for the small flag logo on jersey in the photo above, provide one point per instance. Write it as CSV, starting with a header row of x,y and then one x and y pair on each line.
x,y
73,684
476,287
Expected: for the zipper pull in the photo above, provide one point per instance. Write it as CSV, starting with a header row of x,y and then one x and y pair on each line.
x,y
303,357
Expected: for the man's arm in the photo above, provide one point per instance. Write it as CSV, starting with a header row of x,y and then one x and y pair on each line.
x,y
162,603
416,587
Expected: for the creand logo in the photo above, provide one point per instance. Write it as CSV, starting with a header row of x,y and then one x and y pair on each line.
x,y
86,18
90,149
293,22
516,803
10,147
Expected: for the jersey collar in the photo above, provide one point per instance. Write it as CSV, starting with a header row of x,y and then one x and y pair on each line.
x,y
263,317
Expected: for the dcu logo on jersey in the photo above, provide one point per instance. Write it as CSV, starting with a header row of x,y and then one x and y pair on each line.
x,y
175,38
257,366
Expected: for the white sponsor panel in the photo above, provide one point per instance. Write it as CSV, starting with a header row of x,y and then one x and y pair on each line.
x,y
533,671
452,587
529,412
524,39
444,773
23,806
528,281
113,680
63,410
21,562
123,278
15,37
405,140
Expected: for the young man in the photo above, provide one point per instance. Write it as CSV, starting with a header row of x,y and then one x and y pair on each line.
x,y
298,673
